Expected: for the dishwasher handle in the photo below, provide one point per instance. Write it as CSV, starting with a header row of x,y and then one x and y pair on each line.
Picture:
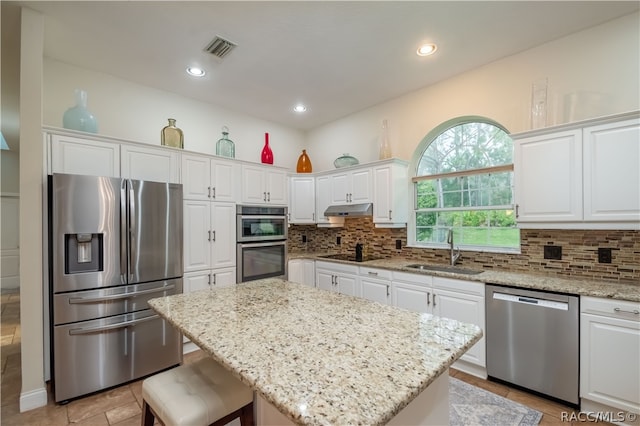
x,y
533,301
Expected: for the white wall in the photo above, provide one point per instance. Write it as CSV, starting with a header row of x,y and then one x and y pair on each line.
x,y
131,111
599,66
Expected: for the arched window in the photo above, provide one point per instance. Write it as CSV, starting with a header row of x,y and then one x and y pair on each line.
x,y
464,181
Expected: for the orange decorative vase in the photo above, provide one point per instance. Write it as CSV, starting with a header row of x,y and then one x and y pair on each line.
x,y
304,163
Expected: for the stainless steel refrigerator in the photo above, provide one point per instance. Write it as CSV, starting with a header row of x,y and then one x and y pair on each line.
x,y
114,244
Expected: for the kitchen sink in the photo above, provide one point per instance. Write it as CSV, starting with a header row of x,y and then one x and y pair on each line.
x,y
442,268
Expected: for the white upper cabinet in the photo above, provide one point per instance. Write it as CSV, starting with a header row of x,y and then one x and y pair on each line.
x,y
302,201
149,163
390,207
264,185
323,198
354,186
580,176
78,156
206,178
612,171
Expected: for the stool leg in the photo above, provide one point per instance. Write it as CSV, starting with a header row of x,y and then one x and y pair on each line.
x,y
147,414
246,415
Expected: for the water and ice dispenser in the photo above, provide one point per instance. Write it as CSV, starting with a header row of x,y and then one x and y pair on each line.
x,y
83,253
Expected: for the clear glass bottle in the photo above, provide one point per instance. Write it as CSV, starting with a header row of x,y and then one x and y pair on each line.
x,y
225,146
171,135
385,145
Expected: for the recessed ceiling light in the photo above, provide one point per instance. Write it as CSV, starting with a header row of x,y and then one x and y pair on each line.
x,y
196,71
299,108
427,49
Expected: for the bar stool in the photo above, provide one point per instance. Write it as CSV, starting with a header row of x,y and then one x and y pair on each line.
x,y
198,394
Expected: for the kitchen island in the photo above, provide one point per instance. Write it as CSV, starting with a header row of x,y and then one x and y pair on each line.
x,y
320,357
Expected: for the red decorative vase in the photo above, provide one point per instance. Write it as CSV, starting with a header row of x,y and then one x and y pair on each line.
x,y
267,155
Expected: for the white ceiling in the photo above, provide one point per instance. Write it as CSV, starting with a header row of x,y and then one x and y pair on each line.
x,y
336,57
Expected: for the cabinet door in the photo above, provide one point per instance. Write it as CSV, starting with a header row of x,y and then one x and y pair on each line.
x,y
154,164
225,177
309,267
348,284
198,280
223,236
361,186
340,188
464,308
323,198
302,206
412,297
196,171
548,177
376,290
277,187
84,157
225,277
295,271
253,185
197,224
611,172
609,367
383,195
325,280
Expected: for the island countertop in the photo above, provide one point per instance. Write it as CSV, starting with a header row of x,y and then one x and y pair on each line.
x,y
319,357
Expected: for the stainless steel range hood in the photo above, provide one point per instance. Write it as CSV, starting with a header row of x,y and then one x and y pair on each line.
x,y
350,210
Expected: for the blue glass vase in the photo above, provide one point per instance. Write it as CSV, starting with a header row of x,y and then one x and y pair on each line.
x,y
78,117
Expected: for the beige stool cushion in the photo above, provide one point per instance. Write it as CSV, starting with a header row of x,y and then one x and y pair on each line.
x,y
195,394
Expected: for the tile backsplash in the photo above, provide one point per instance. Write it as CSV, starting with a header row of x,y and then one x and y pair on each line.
x,y
579,249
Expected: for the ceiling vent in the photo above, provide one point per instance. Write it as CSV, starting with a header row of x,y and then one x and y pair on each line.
x,y
220,47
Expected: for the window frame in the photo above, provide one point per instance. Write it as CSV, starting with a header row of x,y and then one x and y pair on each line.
x,y
414,178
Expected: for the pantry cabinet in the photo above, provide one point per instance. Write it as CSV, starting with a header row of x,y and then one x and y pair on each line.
x,y
609,354
579,176
264,185
302,199
207,178
209,235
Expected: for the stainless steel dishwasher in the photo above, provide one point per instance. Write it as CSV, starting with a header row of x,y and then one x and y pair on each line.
x,y
533,340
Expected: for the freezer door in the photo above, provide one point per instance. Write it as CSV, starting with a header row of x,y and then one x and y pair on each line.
x,y
91,304
85,232
95,355
155,231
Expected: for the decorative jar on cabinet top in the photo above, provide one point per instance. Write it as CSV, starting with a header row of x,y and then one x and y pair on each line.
x,y
304,163
171,135
78,117
345,160
225,146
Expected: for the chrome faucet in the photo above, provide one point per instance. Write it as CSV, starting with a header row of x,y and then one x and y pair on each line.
x,y
455,255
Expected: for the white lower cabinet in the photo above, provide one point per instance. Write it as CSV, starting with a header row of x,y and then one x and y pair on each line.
x,y
302,271
609,354
338,277
375,285
449,298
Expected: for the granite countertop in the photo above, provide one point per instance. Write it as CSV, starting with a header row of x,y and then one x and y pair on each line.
x,y
317,356
578,286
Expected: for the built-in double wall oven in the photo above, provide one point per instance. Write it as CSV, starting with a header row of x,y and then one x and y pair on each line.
x,y
261,235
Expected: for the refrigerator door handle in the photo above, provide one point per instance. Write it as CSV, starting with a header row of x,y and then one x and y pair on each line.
x,y
123,324
123,232
79,300
132,222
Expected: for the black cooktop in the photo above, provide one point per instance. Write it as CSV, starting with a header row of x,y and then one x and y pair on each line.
x,y
349,257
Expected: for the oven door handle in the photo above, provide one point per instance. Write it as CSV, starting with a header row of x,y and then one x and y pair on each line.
x,y
79,300
272,243
87,330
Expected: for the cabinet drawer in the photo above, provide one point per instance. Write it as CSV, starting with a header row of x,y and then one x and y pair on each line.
x,y
622,309
337,267
382,274
461,286
419,279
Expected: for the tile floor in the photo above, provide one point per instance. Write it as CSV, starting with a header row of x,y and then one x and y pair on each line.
x,y
121,406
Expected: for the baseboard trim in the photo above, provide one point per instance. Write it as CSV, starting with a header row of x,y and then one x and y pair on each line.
x,y
33,399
